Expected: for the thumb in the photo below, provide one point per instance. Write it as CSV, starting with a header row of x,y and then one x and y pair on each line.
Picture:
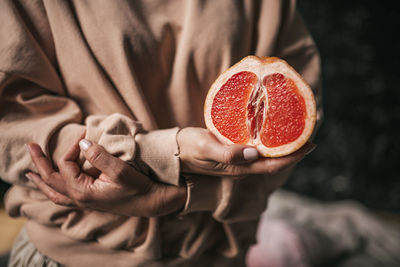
x,y
233,154
101,159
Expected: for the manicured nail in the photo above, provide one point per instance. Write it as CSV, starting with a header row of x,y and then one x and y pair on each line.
x,y
250,153
311,148
84,144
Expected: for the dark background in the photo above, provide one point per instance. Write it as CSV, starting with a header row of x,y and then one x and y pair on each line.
x,y
358,144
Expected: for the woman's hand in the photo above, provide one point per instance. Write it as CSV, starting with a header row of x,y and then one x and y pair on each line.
x,y
201,152
118,189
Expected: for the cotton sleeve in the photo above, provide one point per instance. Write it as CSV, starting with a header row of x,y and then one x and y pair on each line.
x,y
33,104
35,107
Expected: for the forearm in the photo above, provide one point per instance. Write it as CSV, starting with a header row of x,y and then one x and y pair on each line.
x,y
232,200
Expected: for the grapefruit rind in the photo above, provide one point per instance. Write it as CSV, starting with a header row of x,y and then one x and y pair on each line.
x,y
263,66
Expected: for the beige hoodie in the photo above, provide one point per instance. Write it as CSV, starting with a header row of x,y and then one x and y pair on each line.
x,y
130,73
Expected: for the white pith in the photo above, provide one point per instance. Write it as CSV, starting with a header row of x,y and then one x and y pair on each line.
x,y
262,68
263,98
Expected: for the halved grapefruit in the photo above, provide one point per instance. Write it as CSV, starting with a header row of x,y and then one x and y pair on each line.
x,y
263,102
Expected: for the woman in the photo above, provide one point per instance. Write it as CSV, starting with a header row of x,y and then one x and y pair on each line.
x,y
132,77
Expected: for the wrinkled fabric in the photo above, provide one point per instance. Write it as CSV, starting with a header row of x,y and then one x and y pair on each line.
x,y
130,74
25,254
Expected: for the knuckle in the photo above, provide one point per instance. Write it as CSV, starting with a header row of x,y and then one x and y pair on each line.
x,y
59,163
95,155
228,156
202,145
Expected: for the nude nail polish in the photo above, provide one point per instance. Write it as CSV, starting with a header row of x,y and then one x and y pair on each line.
x,y
84,144
28,176
250,154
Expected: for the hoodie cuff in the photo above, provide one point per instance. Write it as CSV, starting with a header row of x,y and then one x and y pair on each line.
x,y
158,150
202,193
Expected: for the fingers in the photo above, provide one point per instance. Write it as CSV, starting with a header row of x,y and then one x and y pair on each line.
x,y
53,195
45,168
67,165
66,182
42,163
232,154
70,183
200,144
228,154
73,152
274,165
101,159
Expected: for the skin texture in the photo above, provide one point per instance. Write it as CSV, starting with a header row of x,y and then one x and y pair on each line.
x,y
120,189
201,152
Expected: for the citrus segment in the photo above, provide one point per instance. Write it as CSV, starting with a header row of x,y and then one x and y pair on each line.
x,y
285,118
261,102
229,107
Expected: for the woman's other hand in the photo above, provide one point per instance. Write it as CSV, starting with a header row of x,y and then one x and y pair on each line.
x,y
119,188
201,152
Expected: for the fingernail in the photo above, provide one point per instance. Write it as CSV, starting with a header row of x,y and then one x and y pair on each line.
x,y
311,148
84,144
250,153
27,148
28,176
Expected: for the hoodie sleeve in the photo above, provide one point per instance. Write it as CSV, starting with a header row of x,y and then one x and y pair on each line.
x,y
35,107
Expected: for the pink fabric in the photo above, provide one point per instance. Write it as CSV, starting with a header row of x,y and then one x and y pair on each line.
x,y
278,245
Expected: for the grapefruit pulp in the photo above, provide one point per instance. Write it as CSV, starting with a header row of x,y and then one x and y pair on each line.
x,y
261,102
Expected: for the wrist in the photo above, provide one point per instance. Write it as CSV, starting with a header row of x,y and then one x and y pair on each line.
x,y
157,150
174,199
